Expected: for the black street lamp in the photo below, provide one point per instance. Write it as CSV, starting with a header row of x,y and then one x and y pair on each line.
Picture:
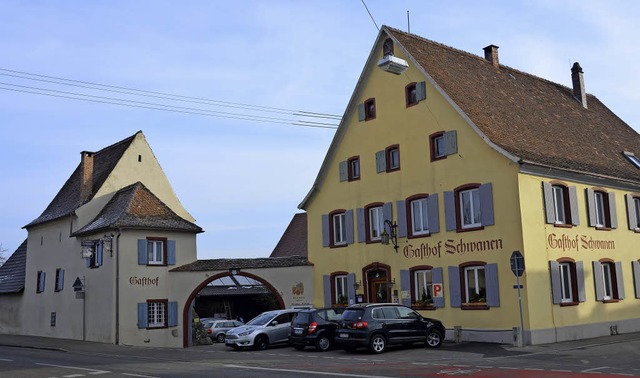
x,y
391,235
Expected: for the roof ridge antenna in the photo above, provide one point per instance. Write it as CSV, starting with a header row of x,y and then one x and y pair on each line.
x,y
408,23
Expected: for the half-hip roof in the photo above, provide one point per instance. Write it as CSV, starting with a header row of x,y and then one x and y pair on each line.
x,y
12,272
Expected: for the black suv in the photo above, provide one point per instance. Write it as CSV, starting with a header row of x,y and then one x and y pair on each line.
x,y
315,327
376,325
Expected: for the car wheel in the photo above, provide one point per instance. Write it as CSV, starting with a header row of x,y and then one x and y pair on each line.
x,y
323,344
377,344
298,347
220,338
261,343
434,339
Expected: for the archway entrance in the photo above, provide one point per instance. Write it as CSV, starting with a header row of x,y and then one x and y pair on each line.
x,y
228,296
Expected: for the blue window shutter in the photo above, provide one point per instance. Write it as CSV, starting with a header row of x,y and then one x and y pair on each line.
x,y
325,230
326,286
436,276
636,277
405,286
573,204
421,91
401,210
591,207
486,204
343,171
361,114
613,211
381,162
549,206
454,287
556,289
620,280
450,210
172,320
580,281
44,275
598,280
493,288
143,259
60,282
631,212
351,290
143,317
171,252
432,213
99,254
387,211
450,141
348,220
362,230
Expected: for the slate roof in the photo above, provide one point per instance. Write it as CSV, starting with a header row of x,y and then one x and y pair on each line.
x,y
68,198
536,120
12,272
135,206
252,263
294,240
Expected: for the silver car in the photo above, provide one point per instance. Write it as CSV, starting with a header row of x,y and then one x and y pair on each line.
x,y
217,329
271,327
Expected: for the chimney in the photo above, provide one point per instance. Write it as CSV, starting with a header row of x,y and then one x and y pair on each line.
x,y
491,54
577,78
86,170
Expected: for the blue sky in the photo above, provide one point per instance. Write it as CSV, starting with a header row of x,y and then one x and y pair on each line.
x,y
243,180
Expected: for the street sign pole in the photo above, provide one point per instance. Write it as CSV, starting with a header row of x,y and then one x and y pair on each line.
x,y
521,343
517,266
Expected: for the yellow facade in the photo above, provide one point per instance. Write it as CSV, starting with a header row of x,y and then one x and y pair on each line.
x,y
518,214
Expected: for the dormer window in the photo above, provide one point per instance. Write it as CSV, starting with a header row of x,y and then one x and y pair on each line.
x,y
632,158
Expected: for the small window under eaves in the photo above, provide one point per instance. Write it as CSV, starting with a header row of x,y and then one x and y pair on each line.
x,y
632,158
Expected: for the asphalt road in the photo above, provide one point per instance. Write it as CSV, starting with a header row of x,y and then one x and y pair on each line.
x,y
605,357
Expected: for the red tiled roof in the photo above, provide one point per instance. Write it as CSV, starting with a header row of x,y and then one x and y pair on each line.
x,y
537,121
294,240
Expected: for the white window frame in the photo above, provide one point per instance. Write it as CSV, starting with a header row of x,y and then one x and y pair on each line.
x,y
340,288
394,158
155,252
354,168
156,314
599,201
376,222
607,281
423,280
478,286
438,147
339,230
566,282
419,216
472,197
558,204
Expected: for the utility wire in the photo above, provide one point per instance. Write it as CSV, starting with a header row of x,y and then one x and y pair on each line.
x,y
168,96
370,15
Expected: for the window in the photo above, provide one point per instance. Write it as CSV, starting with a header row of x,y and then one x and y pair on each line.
x,y
608,280
442,144
411,95
354,168
157,313
59,279
340,293
633,159
339,228
419,217
422,293
561,204
633,211
375,223
370,109
155,252
475,284
636,207
40,281
470,208
567,281
602,209
95,261
392,155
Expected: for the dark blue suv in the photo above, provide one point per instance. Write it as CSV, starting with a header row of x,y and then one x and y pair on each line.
x,y
375,326
315,327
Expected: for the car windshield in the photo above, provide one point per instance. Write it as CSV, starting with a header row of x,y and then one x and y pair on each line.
x,y
261,319
352,315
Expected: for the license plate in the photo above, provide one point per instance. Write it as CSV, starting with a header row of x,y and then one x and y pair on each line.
x,y
297,331
344,335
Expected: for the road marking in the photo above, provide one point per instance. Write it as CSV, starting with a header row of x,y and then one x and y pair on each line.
x,y
534,369
508,368
305,372
594,370
7,360
139,375
73,376
561,371
92,371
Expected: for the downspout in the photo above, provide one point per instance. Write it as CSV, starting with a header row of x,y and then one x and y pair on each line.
x,y
118,286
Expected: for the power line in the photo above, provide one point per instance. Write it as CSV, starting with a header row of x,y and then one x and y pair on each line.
x,y
370,15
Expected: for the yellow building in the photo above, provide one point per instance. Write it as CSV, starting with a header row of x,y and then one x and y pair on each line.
x,y
461,161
